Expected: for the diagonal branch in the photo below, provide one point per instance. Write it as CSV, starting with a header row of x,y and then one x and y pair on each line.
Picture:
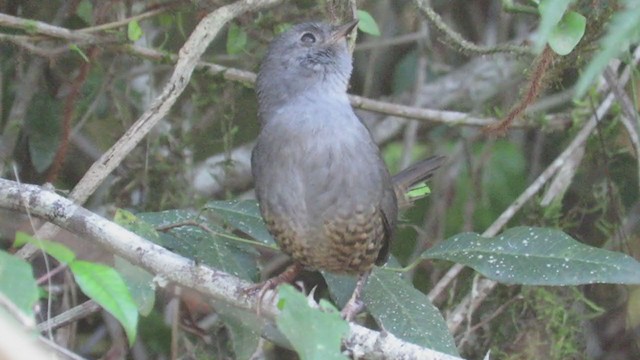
x,y
629,116
218,285
470,303
485,286
188,57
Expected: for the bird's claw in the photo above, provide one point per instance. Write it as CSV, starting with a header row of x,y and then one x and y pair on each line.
x,y
286,276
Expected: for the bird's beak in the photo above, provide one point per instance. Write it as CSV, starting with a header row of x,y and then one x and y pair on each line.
x,y
340,32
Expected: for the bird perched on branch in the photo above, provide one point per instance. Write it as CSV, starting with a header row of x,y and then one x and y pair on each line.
x,y
324,191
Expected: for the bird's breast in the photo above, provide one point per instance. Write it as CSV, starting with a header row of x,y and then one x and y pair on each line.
x,y
321,181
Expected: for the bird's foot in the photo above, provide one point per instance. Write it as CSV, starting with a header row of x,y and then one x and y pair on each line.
x,y
355,303
352,308
286,276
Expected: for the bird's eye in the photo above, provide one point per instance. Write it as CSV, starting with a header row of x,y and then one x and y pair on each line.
x,y
308,38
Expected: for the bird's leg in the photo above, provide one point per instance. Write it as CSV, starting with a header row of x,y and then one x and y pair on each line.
x,y
355,304
286,276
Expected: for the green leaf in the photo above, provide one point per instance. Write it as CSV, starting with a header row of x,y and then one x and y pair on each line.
x,y
105,286
567,33
419,190
134,31
166,20
75,48
17,283
136,225
243,326
537,256
340,287
140,284
244,339
60,252
624,29
236,39
243,215
282,27
210,248
180,24
315,334
367,23
551,12
406,312
85,11
156,333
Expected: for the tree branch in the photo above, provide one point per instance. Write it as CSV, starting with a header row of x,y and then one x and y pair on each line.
x,y
485,286
39,27
383,107
217,285
188,56
459,42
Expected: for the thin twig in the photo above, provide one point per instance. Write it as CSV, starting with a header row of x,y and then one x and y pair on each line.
x,y
410,135
457,40
410,112
452,118
537,83
74,314
629,116
39,27
51,273
25,43
456,318
188,57
166,228
464,306
487,319
125,22
60,349
398,40
68,113
27,87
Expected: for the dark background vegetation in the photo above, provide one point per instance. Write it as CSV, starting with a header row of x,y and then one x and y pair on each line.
x,y
61,108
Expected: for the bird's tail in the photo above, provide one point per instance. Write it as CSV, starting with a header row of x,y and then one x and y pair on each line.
x,y
414,175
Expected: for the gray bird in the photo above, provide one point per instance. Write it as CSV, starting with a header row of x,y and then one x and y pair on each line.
x,y
324,191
